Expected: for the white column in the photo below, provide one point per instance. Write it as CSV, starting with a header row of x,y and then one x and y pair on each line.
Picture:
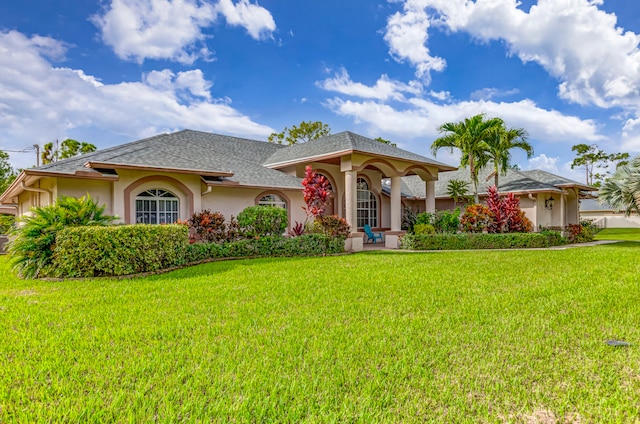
x,y
396,204
351,198
430,202
562,211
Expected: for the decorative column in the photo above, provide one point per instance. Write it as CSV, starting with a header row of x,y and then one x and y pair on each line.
x,y
351,198
355,240
392,237
396,204
562,211
430,198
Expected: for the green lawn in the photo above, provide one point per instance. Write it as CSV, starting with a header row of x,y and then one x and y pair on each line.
x,y
373,337
632,234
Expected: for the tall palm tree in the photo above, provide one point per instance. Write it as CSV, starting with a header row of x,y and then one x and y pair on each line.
x,y
470,137
622,190
499,149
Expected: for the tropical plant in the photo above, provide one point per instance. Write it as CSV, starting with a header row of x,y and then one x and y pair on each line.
x,y
622,190
499,146
408,219
208,226
475,219
316,192
457,189
470,137
333,226
307,131
505,214
6,223
34,242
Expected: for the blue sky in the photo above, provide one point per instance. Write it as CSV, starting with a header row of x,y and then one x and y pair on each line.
x,y
112,71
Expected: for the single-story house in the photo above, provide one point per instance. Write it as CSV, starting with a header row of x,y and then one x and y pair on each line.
x,y
604,216
548,200
168,177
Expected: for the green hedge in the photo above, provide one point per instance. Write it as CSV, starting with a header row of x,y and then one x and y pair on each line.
x,y
307,244
480,241
118,250
131,249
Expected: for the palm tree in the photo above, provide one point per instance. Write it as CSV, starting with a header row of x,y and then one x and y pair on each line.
x,y
622,190
499,149
470,137
457,189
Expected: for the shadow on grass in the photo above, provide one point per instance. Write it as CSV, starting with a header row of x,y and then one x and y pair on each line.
x,y
229,265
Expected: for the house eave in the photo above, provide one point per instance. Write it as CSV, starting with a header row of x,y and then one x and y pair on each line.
x,y
109,165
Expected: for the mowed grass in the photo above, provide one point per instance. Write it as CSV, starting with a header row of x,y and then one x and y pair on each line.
x,y
473,336
630,234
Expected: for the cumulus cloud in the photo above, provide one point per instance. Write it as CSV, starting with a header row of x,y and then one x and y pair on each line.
x,y
39,101
544,163
421,118
490,93
407,36
595,61
384,89
173,29
255,19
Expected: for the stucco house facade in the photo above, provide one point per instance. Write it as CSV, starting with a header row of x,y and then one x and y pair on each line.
x,y
170,176
548,200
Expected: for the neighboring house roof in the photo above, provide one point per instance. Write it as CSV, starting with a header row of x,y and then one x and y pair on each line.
x,y
593,205
514,181
344,142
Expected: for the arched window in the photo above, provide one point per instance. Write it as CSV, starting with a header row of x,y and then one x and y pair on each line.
x,y
156,206
272,200
367,205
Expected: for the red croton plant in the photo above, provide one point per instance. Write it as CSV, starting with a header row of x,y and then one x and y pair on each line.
x,y
316,192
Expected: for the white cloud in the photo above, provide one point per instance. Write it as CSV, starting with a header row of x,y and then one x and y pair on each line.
x,y
407,35
40,102
490,93
544,163
384,89
173,29
595,61
421,118
255,19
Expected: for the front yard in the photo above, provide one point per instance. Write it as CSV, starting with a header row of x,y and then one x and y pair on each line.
x,y
474,336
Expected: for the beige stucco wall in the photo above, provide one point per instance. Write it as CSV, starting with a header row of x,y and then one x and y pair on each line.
x,y
612,219
100,191
232,200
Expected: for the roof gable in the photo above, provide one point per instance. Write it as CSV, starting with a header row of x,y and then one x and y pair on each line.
x,y
344,142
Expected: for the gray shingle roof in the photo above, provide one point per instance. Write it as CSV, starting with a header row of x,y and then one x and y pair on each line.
x,y
345,141
513,181
190,151
593,205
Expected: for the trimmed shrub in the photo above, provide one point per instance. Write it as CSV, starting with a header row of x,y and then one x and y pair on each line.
x,y
477,241
33,247
208,226
554,237
259,221
424,229
306,244
118,250
333,226
579,233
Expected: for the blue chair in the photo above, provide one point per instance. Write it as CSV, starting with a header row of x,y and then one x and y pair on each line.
x,y
371,236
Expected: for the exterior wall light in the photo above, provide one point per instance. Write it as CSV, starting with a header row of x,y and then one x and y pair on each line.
x,y
548,204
